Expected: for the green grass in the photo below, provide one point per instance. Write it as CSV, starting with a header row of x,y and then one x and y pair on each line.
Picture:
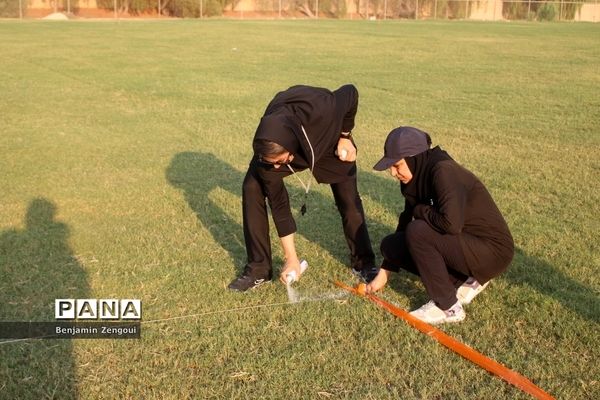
x,y
122,151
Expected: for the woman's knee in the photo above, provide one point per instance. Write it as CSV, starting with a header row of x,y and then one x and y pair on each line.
x,y
393,247
418,231
388,244
419,236
395,253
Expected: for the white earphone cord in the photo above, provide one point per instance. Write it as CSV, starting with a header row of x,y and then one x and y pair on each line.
x,y
312,164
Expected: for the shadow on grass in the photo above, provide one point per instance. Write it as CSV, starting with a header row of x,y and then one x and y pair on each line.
x,y
36,267
524,270
381,188
547,280
197,174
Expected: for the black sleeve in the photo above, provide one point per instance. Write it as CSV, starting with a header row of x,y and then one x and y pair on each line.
x,y
279,201
447,215
405,218
347,100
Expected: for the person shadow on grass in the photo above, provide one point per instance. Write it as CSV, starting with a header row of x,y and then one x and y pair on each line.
x,y
528,271
36,267
197,174
525,270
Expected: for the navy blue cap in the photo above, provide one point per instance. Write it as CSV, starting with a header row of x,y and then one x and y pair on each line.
x,y
402,142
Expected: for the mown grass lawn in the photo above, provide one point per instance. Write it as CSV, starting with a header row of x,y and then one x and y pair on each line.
x,y
122,151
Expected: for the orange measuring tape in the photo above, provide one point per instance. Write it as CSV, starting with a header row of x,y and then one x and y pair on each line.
x,y
467,352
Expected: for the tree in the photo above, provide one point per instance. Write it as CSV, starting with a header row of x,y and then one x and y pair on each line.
x,y
10,8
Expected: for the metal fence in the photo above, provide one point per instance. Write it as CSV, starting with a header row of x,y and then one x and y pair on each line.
x,y
554,10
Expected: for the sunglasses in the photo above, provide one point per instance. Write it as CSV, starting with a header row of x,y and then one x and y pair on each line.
x,y
287,160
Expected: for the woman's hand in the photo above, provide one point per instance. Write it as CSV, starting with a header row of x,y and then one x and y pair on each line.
x,y
379,282
289,266
346,150
291,258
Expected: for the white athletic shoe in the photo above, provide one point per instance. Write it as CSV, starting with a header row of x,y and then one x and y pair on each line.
x,y
434,315
468,290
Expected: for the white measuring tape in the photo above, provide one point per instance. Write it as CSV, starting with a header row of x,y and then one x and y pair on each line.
x,y
326,296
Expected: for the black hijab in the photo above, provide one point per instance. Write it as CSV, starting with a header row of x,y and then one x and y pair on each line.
x,y
297,107
419,189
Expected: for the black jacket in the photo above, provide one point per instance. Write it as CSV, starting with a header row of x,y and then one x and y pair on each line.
x,y
453,201
324,115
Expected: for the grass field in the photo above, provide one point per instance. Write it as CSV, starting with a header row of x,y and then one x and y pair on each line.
x,y
122,151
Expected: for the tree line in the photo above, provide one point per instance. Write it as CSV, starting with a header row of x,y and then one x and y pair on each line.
x,y
448,9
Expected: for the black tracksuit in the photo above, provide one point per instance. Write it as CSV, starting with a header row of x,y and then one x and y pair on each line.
x,y
450,228
324,115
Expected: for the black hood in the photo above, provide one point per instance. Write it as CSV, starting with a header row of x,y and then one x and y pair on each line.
x,y
279,128
297,107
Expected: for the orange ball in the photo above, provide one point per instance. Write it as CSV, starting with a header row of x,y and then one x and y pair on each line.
x,y
361,288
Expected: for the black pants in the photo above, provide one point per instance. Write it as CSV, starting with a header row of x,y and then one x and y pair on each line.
x,y
256,226
437,258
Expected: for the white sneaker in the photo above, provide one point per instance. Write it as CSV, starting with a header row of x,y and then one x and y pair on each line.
x,y
468,290
434,315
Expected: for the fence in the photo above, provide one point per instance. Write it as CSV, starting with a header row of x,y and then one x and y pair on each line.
x,y
552,10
